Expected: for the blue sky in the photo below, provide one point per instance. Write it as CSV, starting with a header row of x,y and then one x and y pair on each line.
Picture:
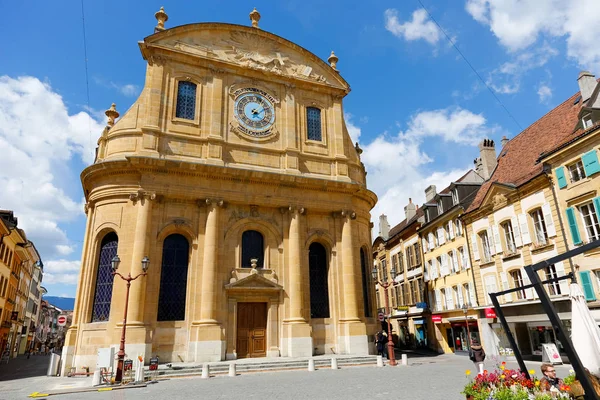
x,y
416,107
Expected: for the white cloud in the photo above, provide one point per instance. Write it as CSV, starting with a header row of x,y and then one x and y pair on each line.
x,y
518,24
353,130
128,90
545,93
420,27
61,272
41,137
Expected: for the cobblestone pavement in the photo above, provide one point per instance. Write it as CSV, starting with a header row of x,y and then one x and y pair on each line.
x,y
440,377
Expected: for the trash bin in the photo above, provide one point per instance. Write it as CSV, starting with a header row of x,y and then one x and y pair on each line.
x,y
53,366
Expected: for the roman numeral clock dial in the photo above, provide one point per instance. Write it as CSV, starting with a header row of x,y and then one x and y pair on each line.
x,y
254,112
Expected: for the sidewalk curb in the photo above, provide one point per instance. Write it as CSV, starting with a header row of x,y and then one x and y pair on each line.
x,y
84,390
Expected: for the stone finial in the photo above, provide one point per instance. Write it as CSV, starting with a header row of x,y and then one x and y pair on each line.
x,y
162,17
333,59
112,114
255,17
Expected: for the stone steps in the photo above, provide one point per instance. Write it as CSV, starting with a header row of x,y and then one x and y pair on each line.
x,y
223,367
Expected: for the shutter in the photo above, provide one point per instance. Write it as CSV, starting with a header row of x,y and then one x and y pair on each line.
x,y
573,225
505,286
459,230
497,241
444,269
472,295
449,299
475,247
459,292
560,272
424,245
528,292
455,261
466,261
560,177
586,284
597,206
550,227
590,163
516,231
426,272
524,228
490,238
438,300
451,229
441,236
431,244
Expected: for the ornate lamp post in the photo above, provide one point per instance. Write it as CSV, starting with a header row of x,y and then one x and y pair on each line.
x,y
121,354
385,286
465,309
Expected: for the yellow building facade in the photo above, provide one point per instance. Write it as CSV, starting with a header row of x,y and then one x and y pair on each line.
x,y
235,174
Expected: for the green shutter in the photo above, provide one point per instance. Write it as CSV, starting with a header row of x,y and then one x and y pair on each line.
x,y
560,177
590,163
573,225
588,288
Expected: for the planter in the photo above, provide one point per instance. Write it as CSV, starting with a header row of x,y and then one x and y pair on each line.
x,y
469,397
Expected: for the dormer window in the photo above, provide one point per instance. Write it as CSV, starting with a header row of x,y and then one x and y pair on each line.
x,y
427,215
440,207
587,121
454,196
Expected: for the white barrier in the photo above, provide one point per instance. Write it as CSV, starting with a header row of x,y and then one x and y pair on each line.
x,y
205,371
334,363
232,369
404,359
380,361
311,365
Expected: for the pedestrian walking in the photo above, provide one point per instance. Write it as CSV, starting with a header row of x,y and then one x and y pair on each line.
x,y
477,355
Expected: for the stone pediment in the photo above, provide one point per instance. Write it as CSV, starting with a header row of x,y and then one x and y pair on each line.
x,y
254,282
245,47
498,195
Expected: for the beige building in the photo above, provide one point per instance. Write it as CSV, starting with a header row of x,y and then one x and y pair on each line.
x,y
448,272
573,167
235,174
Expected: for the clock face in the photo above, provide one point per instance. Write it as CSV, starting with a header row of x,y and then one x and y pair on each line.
x,y
255,113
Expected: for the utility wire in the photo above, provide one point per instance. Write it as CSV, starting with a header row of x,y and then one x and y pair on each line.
x,y
470,65
87,81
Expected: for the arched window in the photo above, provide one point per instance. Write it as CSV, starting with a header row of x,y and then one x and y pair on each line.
x,y
104,278
319,288
365,283
173,278
313,123
252,247
186,100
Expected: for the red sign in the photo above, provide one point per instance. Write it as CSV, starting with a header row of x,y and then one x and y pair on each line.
x,y
62,320
436,319
490,313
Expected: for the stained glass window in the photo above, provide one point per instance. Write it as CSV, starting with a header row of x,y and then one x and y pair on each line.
x,y
365,283
186,100
319,288
104,278
173,278
252,247
313,119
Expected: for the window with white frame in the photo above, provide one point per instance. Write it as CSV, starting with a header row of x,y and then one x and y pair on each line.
x,y
459,230
518,283
576,171
455,196
509,237
451,263
553,287
590,221
440,206
468,294
458,298
384,270
485,246
490,287
539,226
587,121
461,256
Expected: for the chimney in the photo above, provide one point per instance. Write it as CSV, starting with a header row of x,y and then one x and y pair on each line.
x,y
430,193
504,141
587,84
487,161
384,227
410,210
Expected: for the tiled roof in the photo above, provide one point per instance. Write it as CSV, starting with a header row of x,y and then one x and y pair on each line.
x,y
517,162
404,223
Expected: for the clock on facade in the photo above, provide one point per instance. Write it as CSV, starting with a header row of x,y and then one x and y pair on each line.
x,y
255,111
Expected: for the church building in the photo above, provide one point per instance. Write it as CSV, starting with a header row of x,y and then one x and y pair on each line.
x,y
234,174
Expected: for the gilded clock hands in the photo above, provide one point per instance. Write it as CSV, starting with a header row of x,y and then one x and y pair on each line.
x,y
256,113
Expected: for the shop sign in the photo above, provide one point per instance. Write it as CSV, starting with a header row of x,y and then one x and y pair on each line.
x,y
421,305
402,308
418,322
436,318
490,313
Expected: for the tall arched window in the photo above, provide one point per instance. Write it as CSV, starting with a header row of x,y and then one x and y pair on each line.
x,y
252,247
319,288
104,278
313,123
365,284
173,278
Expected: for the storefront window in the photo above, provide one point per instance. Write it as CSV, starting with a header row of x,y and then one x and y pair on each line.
x,y
459,335
420,333
545,334
504,348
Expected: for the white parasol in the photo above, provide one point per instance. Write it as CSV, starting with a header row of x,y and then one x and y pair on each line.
x,y
585,333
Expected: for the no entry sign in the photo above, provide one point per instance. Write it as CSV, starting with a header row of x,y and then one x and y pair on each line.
x,y
61,320
380,317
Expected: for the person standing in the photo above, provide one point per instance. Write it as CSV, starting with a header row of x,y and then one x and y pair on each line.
x,y
379,341
477,355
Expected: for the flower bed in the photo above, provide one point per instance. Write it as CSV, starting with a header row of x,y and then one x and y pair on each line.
x,y
509,384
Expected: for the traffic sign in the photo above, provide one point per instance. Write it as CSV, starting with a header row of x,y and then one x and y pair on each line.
x,y
61,320
380,317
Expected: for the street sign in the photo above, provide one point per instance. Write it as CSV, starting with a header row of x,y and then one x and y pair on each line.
x,y
380,317
61,320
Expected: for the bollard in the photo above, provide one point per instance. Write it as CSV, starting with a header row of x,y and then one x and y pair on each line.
x,y
404,359
334,363
311,365
205,371
380,361
232,369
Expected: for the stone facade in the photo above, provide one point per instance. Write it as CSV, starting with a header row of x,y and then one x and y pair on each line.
x,y
211,177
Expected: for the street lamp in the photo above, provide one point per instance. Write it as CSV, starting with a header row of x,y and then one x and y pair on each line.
x,y
385,286
465,309
115,262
